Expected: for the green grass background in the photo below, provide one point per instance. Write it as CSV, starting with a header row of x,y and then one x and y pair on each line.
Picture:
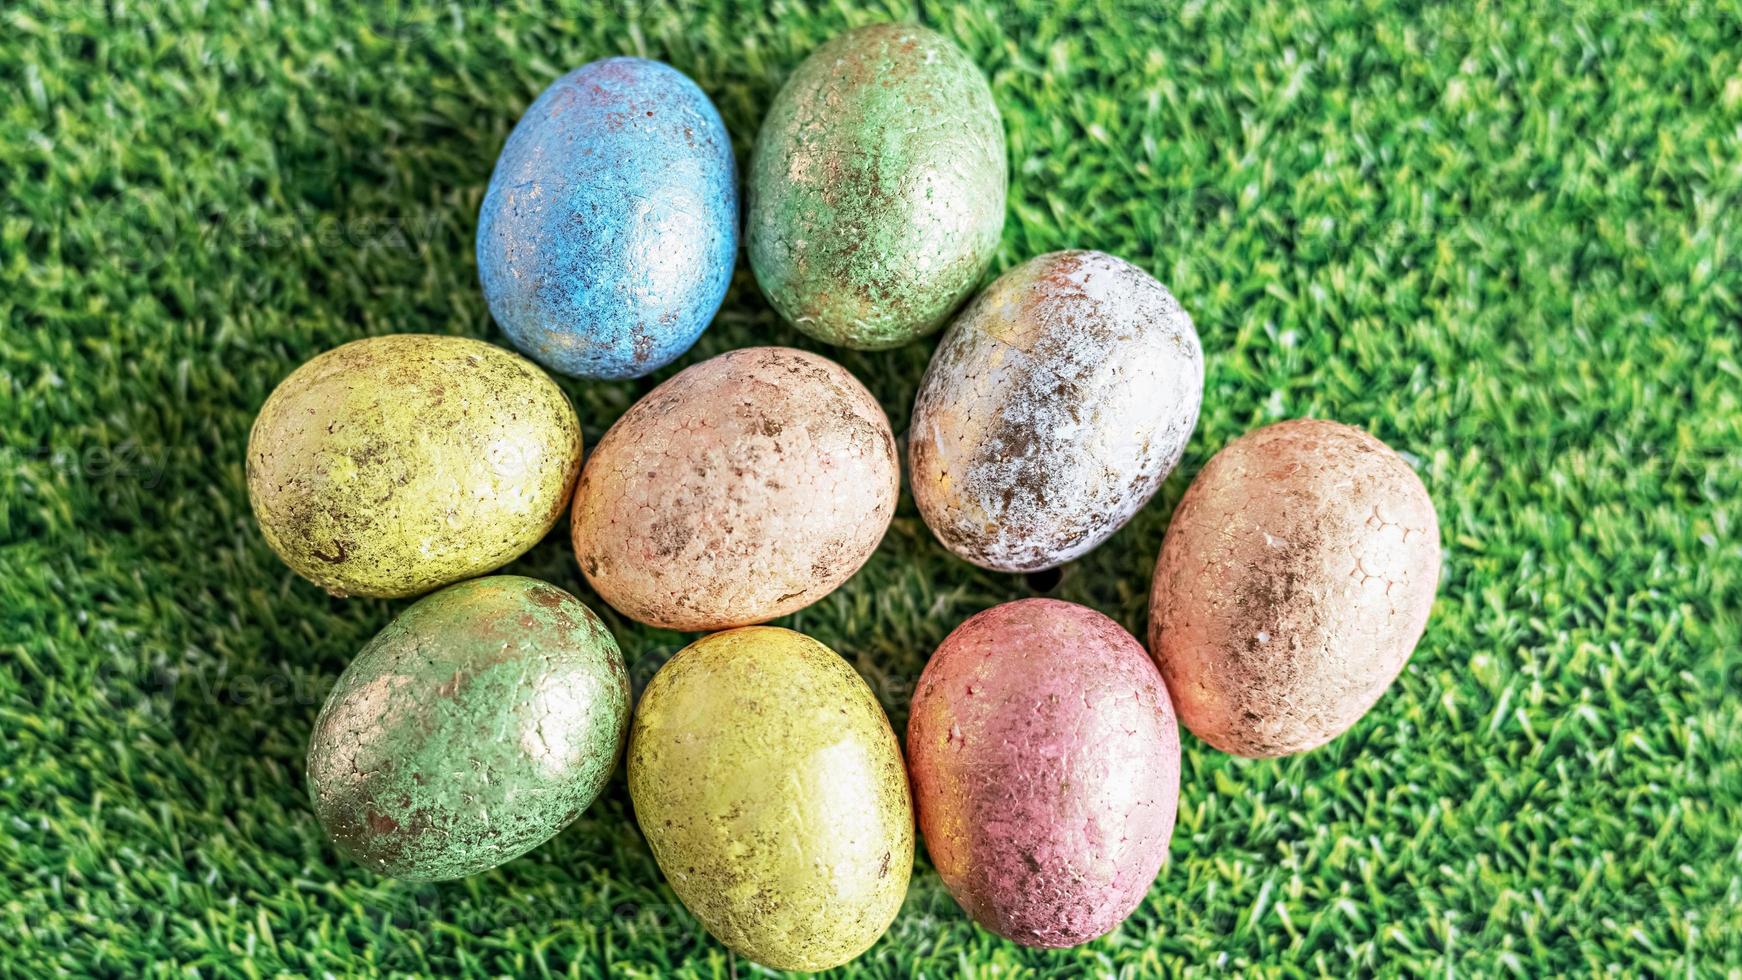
x,y
1506,238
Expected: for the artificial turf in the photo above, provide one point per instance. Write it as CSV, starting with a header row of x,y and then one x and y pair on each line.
x,y
1504,237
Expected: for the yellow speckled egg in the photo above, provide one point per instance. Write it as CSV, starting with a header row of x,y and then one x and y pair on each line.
x,y
772,791
393,465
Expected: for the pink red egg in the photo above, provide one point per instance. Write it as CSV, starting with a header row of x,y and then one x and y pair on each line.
x,y
1045,761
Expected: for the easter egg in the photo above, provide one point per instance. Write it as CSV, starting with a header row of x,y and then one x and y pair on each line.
x,y
876,188
392,465
1045,762
470,730
1294,581
610,226
745,487
1053,408
771,789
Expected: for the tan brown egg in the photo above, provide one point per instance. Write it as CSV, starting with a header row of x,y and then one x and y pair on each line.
x,y
745,487
1295,579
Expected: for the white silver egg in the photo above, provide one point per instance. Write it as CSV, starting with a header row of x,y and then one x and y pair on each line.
x,y
1054,407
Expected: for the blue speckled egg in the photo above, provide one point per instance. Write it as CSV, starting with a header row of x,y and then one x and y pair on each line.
x,y
610,226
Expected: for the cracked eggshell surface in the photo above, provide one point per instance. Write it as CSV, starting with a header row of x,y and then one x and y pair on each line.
x,y
392,465
1045,762
610,226
473,728
772,792
745,487
876,188
1294,581
1052,410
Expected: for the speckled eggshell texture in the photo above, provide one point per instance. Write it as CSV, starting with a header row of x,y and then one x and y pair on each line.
x,y
1294,582
772,792
393,465
610,226
745,487
1045,762
876,189
1054,407
472,729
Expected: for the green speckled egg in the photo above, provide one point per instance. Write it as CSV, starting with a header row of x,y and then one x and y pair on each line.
x,y
876,188
771,789
470,730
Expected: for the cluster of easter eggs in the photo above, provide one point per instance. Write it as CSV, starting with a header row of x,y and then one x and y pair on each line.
x,y
1042,758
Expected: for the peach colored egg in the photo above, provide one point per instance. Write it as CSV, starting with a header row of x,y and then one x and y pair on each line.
x,y
745,487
